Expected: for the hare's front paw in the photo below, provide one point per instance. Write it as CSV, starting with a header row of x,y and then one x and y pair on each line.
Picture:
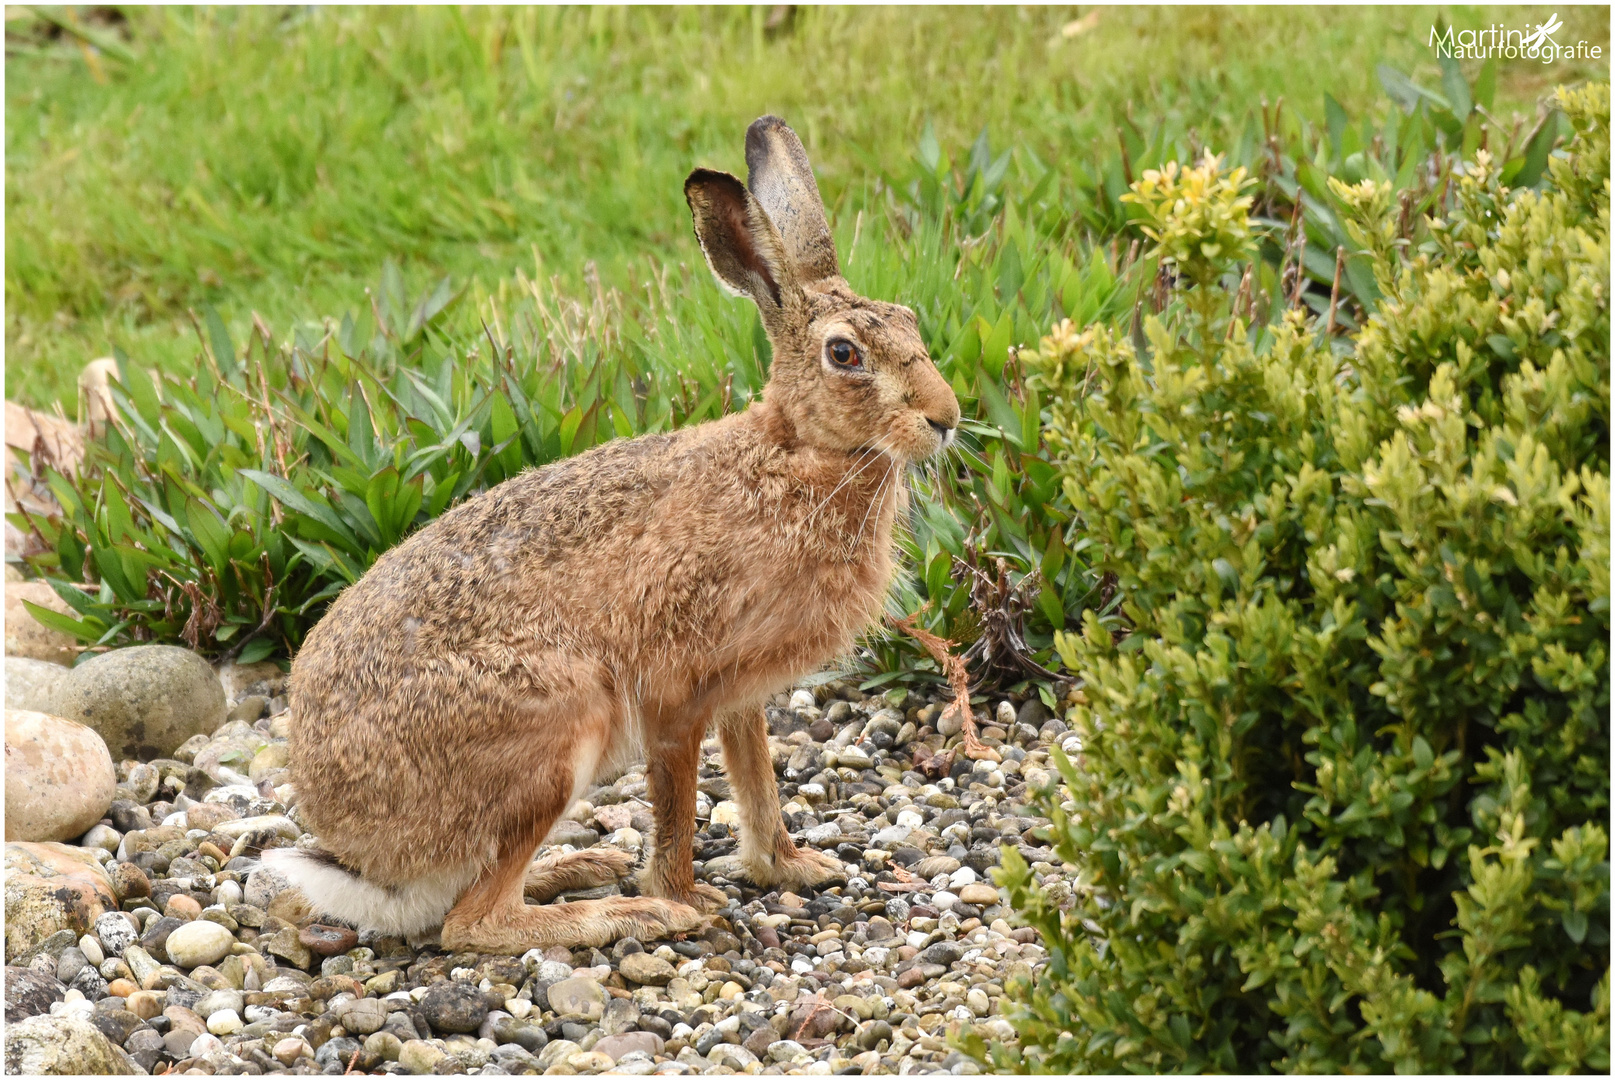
x,y
662,919
798,867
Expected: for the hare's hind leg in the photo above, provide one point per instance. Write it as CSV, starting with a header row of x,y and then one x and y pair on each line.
x,y
770,856
550,875
492,918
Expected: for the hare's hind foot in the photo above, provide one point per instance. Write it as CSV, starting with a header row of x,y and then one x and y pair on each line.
x,y
795,867
551,875
512,931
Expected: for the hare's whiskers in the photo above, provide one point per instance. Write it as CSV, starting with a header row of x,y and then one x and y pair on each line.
x,y
885,485
880,450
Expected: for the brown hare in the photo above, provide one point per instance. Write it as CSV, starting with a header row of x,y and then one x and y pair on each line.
x,y
552,630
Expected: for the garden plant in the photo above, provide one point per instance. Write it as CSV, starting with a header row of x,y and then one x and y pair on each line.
x,y
1339,780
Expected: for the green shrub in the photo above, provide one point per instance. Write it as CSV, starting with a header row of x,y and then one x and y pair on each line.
x,y
1340,796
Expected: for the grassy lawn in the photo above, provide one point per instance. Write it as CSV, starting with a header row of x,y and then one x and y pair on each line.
x,y
273,160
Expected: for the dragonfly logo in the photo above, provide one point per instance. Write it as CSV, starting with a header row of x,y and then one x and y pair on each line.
x,y
1543,34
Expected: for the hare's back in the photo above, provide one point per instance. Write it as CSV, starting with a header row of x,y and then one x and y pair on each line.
x,y
491,573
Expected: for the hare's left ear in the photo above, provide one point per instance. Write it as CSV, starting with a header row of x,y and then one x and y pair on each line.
x,y
781,178
741,244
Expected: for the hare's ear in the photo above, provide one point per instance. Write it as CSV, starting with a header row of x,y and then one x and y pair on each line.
x,y
782,180
741,245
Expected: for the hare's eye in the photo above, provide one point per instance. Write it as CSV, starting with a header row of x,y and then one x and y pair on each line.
x,y
844,354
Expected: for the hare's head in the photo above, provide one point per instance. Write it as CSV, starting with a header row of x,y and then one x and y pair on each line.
x,y
849,373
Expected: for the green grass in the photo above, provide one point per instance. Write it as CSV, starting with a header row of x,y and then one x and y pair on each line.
x,y
273,160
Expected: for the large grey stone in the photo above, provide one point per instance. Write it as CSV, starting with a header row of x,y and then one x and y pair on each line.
x,y
28,681
144,700
59,777
63,1046
30,993
50,888
25,636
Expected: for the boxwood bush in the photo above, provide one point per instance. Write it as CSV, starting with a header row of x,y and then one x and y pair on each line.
x,y
1338,790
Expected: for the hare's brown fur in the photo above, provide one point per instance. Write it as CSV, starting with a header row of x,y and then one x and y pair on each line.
x,y
457,699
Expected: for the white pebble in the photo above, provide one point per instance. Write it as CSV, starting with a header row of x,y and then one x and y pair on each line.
x,y
91,949
224,1022
76,1010
204,1045
802,699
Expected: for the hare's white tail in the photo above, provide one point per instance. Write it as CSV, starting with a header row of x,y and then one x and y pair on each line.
x,y
334,891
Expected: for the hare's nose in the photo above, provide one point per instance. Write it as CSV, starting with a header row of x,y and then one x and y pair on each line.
x,y
943,431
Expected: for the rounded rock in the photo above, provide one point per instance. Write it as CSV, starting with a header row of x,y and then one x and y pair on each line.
x,y
143,781
144,700
60,779
980,893
288,1050
219,1001
115,932
327,940
102,836
363,1016
63,1046
181,906
417,1057
224,1022
30,993
383,1045
580,997
454,1007
29,682
198,943
128,881
27,637
263,885
646,969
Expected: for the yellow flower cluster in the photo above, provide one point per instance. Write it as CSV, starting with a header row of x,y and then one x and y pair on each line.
x,y
1198,217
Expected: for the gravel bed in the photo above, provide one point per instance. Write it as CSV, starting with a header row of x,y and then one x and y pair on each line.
x,y
205,969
